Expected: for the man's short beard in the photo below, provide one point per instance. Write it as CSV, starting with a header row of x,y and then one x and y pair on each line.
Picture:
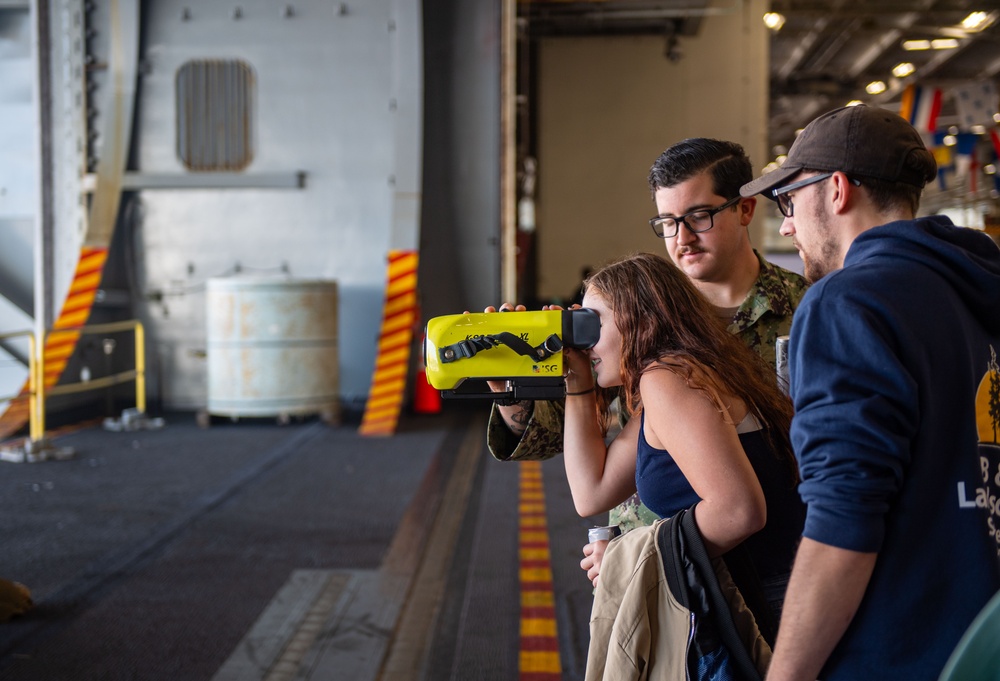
x,y
828,259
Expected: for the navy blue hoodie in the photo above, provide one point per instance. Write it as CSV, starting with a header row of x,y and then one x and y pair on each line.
x,y
893,362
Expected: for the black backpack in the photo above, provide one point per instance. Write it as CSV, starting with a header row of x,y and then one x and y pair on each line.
x,y
716,651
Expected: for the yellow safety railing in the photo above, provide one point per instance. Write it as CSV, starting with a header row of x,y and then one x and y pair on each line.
x,y
37,393
33,377
138,374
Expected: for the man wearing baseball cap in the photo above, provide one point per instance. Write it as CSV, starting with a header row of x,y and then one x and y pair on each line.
x,y
894,376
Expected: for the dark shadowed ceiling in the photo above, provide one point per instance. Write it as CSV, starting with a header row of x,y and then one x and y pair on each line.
x,y
826,53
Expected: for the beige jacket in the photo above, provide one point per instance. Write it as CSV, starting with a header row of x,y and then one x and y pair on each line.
x,y
638,629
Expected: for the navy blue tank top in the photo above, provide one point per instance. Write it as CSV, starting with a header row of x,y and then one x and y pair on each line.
x,y
665,491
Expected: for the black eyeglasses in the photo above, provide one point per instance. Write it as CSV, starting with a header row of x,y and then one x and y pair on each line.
x,y
696,221
782,194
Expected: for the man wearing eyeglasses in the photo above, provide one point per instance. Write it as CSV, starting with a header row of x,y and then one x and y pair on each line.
x,y
895,380
703,223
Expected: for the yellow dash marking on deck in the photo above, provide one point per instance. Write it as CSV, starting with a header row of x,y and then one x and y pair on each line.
x,y
540,661
537,599
538,627
537,630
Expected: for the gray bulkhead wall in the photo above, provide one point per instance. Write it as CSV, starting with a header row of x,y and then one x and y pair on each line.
x,y
609,105
20,197
42,106
459,241
19,194
321,93
322,103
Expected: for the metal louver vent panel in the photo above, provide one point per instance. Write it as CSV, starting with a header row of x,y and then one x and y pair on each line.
x,y
214,115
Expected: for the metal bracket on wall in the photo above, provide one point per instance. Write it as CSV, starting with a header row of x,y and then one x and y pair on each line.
x,y
277,180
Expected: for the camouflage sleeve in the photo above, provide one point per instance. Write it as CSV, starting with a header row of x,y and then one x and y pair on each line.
x,y
541,440
767,311
630,514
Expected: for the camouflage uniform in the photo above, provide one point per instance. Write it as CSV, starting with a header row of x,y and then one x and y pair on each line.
x,y
765,314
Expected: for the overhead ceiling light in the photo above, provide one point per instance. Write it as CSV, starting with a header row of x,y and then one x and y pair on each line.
x,y
949,140
855,102
975,21
774,21
944,43
978,129
903,69
875,87
936,44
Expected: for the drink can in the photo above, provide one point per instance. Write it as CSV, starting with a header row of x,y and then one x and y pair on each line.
x,y
781,362
606,533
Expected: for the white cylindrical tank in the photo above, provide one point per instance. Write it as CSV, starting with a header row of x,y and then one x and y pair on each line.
x,y
272,347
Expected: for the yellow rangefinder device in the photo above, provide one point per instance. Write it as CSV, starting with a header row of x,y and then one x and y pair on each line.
x,y
524,349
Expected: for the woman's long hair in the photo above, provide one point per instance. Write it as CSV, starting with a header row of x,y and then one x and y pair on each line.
x,y
666,324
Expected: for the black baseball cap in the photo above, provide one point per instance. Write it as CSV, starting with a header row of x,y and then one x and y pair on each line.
x,y
860,141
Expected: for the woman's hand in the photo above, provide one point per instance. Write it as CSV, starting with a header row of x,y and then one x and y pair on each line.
x,y
593,557
577,370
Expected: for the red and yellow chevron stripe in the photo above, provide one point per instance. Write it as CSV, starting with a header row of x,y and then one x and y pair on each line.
x,y
539,655
59,348
385,398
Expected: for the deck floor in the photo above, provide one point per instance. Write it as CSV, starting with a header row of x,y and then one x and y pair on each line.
x,y
253,550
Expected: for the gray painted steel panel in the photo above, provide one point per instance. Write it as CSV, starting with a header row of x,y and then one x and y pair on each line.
x,y
326,104
460,245
70,100
337,177
19,193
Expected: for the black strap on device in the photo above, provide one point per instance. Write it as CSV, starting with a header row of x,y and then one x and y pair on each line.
x,y
472,346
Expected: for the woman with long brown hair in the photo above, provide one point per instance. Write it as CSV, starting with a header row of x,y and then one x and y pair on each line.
x,y
708,428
